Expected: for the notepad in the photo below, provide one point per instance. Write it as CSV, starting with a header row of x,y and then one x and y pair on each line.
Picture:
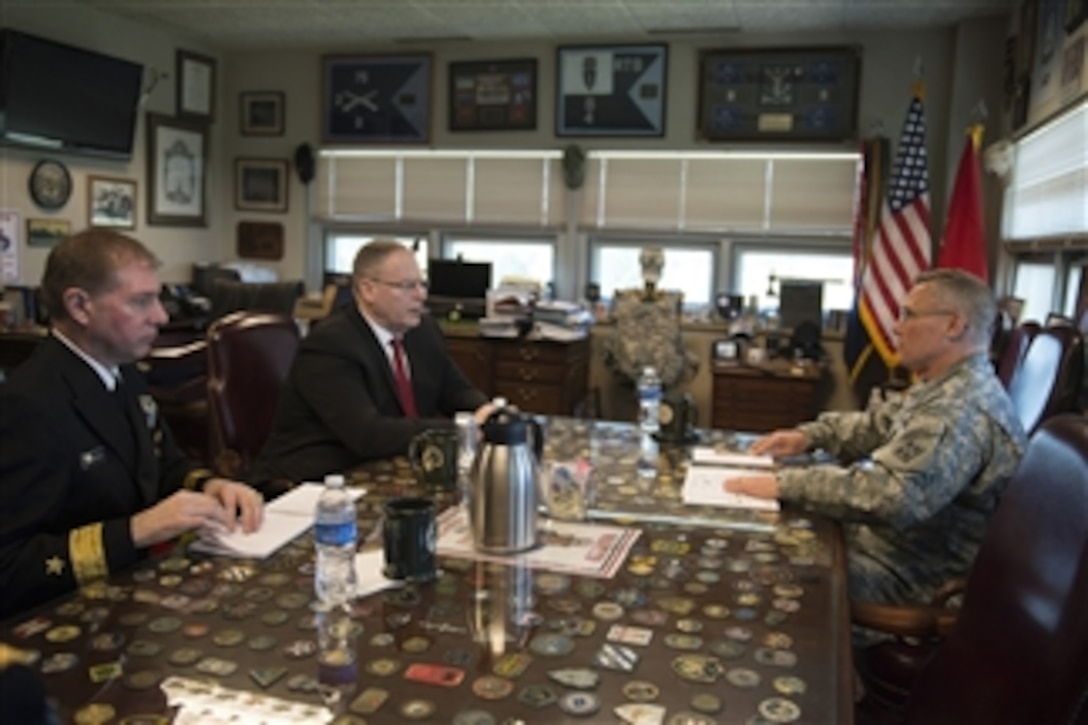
x,y
705,486
285,518
704,454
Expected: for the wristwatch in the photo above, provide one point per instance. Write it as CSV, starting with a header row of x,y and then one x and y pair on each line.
x,y
50,184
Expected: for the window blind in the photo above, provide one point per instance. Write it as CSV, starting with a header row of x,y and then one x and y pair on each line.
x,y
523,188
1048,195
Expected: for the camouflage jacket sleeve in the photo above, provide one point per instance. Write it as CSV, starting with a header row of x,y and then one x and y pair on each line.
x,y
852,435
919,469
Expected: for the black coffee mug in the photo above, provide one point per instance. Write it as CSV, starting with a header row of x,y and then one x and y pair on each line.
x,y
433,455
679,415
409,534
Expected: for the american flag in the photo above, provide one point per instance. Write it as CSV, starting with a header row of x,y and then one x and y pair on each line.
x,y
901,247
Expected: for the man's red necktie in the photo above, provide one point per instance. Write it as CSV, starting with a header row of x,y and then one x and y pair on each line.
x,y
404,384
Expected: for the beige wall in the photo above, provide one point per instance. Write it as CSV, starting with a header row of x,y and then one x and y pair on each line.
x,y
887,72
960,63
178,247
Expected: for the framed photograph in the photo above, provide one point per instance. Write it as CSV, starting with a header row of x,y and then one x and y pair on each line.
x,y
497,95
611,90
376,98
46,232
195,86
260,185
261,113
781,94
111,202
177,155
260,240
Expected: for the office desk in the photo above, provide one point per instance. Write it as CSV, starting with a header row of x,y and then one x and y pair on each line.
x,y
737,615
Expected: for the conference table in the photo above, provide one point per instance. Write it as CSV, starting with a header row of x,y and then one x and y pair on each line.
x,y
713,615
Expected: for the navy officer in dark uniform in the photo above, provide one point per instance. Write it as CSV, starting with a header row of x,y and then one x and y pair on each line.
x,y
90,475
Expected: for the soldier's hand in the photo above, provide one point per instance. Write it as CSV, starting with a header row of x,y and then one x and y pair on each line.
x,y
239,501
761,485
174,515
786,442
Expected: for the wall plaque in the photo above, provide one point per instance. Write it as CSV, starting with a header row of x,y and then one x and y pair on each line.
x,y
498,95
805,94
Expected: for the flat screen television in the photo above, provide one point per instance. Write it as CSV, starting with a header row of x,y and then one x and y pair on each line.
x,y
57,96
458,280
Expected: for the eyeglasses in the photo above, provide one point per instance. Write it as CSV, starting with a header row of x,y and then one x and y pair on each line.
x,y
906,313
405,286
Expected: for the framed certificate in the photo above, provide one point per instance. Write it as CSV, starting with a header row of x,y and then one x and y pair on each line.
x,y
376,99
612,90
779,94
195,86
498,95
177,153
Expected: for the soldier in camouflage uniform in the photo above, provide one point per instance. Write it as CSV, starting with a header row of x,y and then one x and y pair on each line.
x,y
930,464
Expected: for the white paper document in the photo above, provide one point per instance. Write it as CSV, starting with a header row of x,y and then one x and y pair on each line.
x,y
368,572
705,454
705,486
285,518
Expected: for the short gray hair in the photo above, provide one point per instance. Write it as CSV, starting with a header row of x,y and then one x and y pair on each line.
x,y
967,295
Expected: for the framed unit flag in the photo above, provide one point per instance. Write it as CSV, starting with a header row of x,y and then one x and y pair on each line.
x,y
611,90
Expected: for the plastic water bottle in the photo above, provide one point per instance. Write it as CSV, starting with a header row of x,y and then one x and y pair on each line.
x,y
336,538
649,400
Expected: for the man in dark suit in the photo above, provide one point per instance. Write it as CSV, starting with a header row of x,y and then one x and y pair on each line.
x,y
342,403
90,475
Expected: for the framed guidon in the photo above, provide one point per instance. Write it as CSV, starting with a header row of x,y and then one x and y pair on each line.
x,y
493,95
611,90
376,98
782,94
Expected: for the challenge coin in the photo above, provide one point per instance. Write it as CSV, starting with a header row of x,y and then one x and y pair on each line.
x,y
97,713
779,709
578,678
580,704
492,687
640,691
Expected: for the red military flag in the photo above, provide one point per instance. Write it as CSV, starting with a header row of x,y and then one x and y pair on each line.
x,y
964,242
901,246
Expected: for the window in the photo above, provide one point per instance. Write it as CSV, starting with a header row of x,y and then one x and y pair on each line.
x,y
756,272
1074,279
532,258
1048,195
689,268
1035,285
341,247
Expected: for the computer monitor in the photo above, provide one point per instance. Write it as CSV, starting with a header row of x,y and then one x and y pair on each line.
x,y
458,280
800,300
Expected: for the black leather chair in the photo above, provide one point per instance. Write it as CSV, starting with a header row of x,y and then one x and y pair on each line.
x,y
1048,378
176,371
1017,649
249,355
1012,354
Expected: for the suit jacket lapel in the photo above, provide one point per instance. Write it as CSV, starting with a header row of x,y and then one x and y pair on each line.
x,y
98,408
145,427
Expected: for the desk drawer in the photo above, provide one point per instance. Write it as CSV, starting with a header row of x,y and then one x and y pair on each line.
x,y
528,372
538,352
534,397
